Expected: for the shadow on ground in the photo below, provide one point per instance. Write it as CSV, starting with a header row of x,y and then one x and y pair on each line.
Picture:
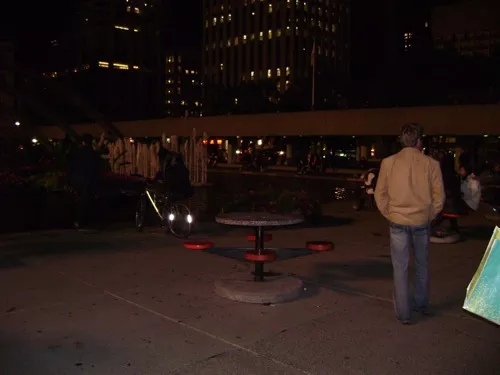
x,y
478,232
328,221
355,270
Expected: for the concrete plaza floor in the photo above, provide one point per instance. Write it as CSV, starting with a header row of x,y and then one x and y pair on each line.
x,y
120,302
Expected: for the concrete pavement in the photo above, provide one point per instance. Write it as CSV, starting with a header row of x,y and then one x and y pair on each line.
x,y
120,302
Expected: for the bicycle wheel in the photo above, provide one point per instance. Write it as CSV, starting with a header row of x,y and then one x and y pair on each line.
x,y
140,213
179,220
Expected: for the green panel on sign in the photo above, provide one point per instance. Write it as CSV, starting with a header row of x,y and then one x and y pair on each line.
x,y
483,293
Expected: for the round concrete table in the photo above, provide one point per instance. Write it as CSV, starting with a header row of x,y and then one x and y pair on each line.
x,y
259,221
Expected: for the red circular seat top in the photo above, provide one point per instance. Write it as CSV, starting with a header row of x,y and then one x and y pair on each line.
x,y
319,245
198,245
262,256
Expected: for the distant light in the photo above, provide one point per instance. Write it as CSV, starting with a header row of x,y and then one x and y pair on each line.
x,y
282,152
34,140
259,142
131,140
17,123
238,152
486,136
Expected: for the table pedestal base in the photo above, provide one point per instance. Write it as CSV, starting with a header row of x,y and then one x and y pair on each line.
x,y
278,290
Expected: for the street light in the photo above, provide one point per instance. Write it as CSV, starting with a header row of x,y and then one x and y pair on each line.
x,y
35,141
17,123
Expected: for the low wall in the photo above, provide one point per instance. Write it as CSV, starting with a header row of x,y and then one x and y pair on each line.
x,y
443,120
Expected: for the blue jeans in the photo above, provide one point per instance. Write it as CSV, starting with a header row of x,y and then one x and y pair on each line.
x,y
402,237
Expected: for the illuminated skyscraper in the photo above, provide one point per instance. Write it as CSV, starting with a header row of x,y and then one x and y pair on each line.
x,y
248,40
111,53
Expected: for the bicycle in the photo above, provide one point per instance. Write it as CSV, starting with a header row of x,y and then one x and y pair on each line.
x,y
173,215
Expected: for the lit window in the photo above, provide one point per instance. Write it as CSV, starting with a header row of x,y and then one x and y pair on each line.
x,y
270,8
120,66
288,3
270,34
278,72
137,11
136,30
236,41
187,71
196,104
235,100
261,35
269,74
333,28
287,70
229,18
305,5
229,42
103,64
278,86
183,102
221,66
214,21
121,27
221,19
169,102
135,67
278,32
252,75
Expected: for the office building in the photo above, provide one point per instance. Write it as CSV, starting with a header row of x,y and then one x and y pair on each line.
x,y
7,76
470,28
111,54
250,40
183,90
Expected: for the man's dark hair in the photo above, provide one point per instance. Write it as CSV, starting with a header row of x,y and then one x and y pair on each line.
x,y
410,134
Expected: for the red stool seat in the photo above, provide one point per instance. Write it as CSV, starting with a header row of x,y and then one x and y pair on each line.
x,y
451,216
319,245
198,245
264,256
267,237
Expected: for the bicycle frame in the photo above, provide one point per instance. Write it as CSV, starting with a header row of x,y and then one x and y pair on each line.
x,y
154,204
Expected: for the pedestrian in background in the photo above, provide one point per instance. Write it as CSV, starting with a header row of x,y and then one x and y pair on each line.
x,y
410,194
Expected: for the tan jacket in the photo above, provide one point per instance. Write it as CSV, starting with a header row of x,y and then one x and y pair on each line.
x,y
410,188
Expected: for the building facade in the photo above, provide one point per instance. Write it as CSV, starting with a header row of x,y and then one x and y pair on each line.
x,y
247,40
470,28
7,76
183,85
111,53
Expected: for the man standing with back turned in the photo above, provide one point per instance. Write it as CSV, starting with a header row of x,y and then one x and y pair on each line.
x,y
410,195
